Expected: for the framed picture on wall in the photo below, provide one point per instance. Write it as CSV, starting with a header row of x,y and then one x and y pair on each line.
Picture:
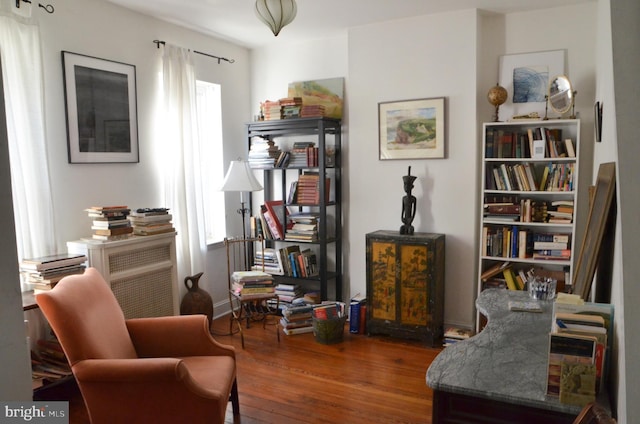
x,y
100,100
526,78
412,129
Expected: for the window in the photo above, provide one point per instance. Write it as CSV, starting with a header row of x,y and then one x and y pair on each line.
x,y
209,119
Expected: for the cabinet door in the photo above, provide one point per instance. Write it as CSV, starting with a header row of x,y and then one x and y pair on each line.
x,y
414,281
383,280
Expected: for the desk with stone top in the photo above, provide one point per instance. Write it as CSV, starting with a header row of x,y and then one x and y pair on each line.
x,y
500,374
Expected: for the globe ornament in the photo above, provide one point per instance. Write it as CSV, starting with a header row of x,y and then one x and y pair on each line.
x,y
497,95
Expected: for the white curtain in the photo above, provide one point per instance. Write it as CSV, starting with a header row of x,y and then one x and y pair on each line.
x,y
20,54
182,159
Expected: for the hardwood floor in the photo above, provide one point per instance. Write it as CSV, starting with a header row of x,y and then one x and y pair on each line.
x,y
360,380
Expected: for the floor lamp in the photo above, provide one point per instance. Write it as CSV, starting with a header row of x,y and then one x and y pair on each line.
x,y
240,178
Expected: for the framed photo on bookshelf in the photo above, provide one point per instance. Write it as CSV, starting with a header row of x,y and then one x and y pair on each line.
x,y
412,129
100,100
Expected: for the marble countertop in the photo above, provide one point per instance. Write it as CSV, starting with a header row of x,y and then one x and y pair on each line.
x,y
506,361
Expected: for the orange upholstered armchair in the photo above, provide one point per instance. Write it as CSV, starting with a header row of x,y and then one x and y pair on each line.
x,y
143,370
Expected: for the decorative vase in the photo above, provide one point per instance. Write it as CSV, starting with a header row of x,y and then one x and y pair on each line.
x,y
197,300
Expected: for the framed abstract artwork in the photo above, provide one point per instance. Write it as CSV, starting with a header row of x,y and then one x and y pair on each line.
x,y
412,129
526,78
100,100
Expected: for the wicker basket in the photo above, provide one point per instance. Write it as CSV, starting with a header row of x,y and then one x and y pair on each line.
x,y
329,331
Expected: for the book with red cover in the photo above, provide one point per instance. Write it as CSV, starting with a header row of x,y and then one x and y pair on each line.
x,y
277,210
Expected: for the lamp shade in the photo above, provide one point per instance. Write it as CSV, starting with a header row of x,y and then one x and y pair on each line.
x,y
240,178
276,13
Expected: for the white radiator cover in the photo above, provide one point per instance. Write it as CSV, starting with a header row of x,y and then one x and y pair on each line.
x,y
140,270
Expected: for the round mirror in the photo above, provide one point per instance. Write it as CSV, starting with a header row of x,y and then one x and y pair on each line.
x,y
560,94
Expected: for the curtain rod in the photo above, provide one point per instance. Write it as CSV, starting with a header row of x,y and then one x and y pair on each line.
x,y
158,42
48,8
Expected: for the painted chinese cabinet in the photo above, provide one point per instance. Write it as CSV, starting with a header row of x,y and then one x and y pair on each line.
x,y
405,285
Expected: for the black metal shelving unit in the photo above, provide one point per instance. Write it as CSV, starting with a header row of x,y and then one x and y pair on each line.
x,y
320,128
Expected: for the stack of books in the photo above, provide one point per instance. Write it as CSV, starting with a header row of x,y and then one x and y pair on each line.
x,y
453,335
48,362
308,189
552,246
304,228
561,211
110,222
288,293
43,273
252,283
291,107
150,221
312,111
579,348
297,319
263,153
271,110
268,261
298,155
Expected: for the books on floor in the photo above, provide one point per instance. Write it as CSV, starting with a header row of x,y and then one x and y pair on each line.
x,y
454,334
297,319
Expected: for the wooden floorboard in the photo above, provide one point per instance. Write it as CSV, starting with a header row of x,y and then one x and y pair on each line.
x,y
363,379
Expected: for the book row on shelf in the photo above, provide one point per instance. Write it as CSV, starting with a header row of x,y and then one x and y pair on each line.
x,y
580,345
516,242
514,208
505,274
537,143
300,226
264,153
531,177
112,223
290,261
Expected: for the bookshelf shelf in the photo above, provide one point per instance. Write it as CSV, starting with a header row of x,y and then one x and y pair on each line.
x,y
325,133
533,190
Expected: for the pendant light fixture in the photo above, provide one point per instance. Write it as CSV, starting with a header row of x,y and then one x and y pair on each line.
x,y
276,13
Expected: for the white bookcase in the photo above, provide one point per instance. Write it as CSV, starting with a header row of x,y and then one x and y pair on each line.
x,y
506,180
141,271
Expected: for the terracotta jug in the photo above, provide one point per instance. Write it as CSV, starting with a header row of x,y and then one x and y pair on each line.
x,y
197,300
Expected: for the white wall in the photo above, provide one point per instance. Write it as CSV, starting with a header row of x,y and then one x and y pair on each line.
x,y
570,28
410,59
100,29
619,53
452,55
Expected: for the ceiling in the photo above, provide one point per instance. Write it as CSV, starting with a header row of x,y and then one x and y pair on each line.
x,y
235,20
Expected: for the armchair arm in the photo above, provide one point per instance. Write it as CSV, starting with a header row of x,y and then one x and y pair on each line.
x,y
158,390
175,336
129,370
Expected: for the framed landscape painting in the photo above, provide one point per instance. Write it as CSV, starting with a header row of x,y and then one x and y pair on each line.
x,y
100,97
412,129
